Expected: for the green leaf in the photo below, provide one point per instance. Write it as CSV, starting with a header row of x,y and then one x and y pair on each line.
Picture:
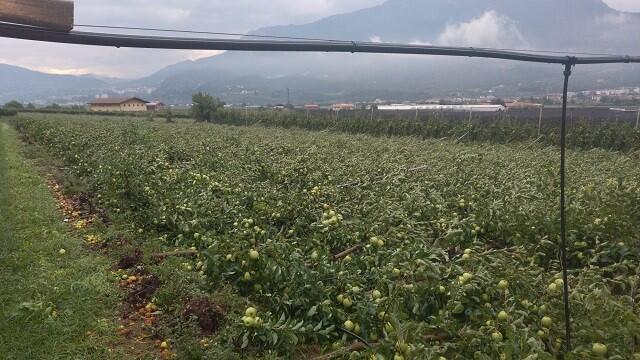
x,y
298,325
245,340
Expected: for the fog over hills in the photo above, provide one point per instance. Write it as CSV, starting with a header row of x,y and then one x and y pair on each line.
x,y
585,25
23,84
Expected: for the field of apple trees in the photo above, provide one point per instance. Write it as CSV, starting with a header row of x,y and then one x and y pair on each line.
x,y
419,249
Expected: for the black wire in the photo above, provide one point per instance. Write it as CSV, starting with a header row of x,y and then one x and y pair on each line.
x,y
553,52
316,39
17,31
208,33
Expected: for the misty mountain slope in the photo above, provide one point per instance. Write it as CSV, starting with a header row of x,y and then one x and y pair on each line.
x,y
23,84
543,23
586,25
262,77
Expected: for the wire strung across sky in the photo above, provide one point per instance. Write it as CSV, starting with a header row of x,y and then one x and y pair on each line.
x,y
182,31
207,33
289,45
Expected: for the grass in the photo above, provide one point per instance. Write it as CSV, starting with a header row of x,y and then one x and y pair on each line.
x,y
52,305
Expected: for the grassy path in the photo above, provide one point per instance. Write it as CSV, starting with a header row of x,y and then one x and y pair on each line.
x,y
52,305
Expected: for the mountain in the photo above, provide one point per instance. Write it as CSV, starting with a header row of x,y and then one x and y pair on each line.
x,y
585,25
26,85
259,78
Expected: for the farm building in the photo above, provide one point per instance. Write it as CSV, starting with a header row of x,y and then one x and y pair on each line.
x,y
338,107
155,106
121,104
522,105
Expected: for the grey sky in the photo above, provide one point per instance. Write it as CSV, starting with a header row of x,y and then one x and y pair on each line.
x,y
211,15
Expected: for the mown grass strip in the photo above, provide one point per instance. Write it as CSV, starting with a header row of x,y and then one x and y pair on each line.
x,y
53,304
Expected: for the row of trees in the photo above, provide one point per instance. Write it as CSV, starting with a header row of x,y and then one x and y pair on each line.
x,y
16,105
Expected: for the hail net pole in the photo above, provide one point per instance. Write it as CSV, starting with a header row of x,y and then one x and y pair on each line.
x,y
563,220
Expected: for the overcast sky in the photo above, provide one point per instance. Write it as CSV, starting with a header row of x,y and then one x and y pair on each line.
x,y
210,15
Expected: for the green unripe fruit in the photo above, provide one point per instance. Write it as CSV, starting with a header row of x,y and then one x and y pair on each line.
x,y
251,312
346,302
496,336
248,321
503,284
349,325
599,349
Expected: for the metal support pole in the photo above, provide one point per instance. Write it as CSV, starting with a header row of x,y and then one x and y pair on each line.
x,y
563,230
638,120
540,121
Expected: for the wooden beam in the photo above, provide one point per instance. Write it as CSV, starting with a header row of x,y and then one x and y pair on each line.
x,y
49,14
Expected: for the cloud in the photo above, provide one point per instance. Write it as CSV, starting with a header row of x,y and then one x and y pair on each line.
x,y
420,42
488,30
624,5
212,15
199,54
66,71
613,19
238,16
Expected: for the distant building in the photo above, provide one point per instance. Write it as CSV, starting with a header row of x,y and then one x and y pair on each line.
x,y
517,105
120,104
338,107
312,106
155,106
433,107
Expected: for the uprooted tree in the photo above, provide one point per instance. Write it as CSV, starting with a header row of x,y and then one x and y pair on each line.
x,y
205,107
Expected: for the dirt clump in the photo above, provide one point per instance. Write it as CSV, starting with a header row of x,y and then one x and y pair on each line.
x,y
207,314
128,261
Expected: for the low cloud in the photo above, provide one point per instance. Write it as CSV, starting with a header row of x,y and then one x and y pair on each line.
x,y
617,19
624,5
420,42
488,30
65,71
